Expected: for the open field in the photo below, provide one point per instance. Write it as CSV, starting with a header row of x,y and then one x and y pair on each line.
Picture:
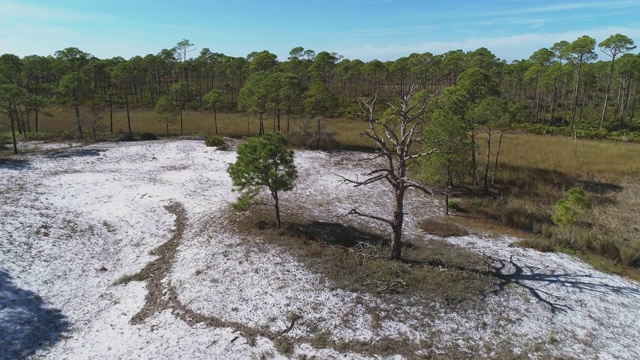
x,y
135,243
346,132
534,172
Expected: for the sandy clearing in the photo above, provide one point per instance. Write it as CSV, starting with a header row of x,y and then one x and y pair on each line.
x,y
75,219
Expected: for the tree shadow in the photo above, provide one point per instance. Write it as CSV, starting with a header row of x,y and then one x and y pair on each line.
x,y
531,279
67,154
528,178
600,188
335,234
15,164
26,325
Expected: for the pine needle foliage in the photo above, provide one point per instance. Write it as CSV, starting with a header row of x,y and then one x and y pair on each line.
x,y
263,162
570,209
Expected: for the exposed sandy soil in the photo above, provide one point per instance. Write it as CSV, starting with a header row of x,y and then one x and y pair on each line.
x,y
75,219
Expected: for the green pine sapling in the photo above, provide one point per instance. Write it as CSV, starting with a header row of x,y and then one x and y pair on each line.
x,y
570,209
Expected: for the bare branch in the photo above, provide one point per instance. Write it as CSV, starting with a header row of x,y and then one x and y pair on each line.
x,y
377,139
412,184
356,212
415,156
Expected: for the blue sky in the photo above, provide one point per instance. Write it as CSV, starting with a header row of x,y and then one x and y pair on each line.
x,y
362,29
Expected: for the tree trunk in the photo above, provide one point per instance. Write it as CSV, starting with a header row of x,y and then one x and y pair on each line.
x,y
574,99
554,102
215,119
78,122
277,206
261,131
474,175
584,100
318,134
396,226
486,166
495,167
446,204
606,93
545,103
632,104
288,121
278,115
618,99
536,109
181,107
110,114
625,101
126,100
13,134
564,100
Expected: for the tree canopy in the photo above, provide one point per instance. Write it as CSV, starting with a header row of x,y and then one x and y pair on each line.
x,y
264,162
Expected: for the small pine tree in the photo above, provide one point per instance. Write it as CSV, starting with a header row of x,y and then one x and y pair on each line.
x,y
263,162
166,111
570,209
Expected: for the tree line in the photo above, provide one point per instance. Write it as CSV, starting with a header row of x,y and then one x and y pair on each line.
x,y
565,84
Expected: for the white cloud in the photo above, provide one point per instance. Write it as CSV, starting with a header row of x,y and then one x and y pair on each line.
x,y
512,47
556,8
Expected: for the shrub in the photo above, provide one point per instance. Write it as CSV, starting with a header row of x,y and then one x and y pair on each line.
x,y
608,246
216,141
442,228
570,209
148,136
629,255
455,206
127,137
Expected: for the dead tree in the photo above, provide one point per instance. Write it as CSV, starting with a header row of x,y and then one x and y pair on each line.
x,y
395,134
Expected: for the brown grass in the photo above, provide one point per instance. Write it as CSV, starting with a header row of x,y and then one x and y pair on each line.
x,y
357,259
346,132
536,171
443,227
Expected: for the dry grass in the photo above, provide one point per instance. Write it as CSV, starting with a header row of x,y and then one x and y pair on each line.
x,y
357,259
443,227
346,132
597,160
536,171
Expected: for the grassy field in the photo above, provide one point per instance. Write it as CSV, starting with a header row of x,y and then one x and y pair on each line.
x,y
201,124
534,172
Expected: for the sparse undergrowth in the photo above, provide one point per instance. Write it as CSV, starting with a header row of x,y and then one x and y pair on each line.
x,y
431,272
358,260
529,183
141,275
443,227
216,141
